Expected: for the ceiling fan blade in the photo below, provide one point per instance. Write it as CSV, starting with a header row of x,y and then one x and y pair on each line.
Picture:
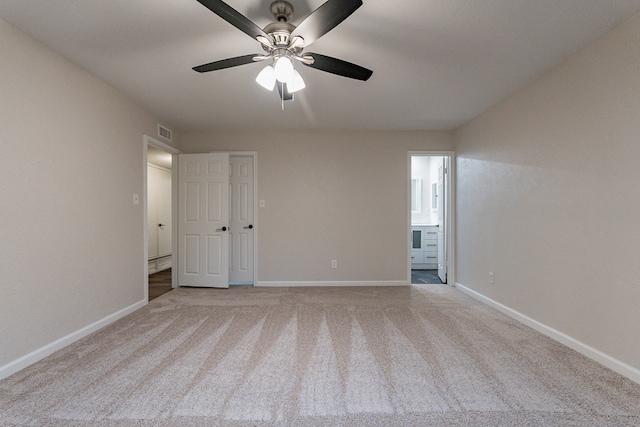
x,y
234,17
228,63
338,66
285,95
323,19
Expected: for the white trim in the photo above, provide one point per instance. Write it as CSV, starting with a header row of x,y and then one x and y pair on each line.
x,y
159,145
39,354
596,355
302,283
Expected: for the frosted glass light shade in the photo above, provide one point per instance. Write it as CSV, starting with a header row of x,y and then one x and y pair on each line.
x,y
267,78
296,83
284,69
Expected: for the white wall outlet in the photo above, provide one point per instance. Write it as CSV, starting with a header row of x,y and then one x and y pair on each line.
x,y
334,263
136,199
262,203
491,278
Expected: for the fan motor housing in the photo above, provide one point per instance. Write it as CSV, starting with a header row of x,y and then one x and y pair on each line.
x,y
280,32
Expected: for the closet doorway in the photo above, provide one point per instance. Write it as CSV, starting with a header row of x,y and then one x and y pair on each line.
x,y
216,219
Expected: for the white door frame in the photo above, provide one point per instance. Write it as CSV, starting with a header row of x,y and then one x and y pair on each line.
x,y
450,217
146,142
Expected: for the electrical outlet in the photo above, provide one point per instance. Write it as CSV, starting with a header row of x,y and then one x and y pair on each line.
x,y
491,278
334,263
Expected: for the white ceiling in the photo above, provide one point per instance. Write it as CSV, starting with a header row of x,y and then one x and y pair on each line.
x,y
436,63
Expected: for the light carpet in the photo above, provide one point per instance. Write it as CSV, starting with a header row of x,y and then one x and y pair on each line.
x,y
418,355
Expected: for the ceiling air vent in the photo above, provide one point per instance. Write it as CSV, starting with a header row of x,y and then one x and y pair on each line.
x,y
164,132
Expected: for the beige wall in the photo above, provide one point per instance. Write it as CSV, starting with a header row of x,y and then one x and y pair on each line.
x,y
329,195
71,245
548,198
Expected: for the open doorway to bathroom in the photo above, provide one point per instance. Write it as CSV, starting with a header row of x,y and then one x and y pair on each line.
x,y
430,212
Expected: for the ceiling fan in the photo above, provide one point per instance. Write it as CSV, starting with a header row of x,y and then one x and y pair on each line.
x,y
284,43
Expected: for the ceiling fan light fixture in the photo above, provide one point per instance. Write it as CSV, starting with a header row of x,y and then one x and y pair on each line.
x,y
296,83
267,78
284,69
283,42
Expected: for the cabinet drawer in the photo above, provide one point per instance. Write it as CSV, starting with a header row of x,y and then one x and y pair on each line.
x,y
417,257
430,235
431,247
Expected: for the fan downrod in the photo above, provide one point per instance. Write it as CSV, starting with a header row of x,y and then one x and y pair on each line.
x,y
282,11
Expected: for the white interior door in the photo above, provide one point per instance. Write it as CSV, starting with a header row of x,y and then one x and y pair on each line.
x,y
203,220
442,214
242,220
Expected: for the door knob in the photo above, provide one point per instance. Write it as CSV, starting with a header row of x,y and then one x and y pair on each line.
x,y
222,229
250,226
161,225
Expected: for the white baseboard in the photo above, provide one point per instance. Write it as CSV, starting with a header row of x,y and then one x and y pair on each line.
x,y
598,356
39,354
294,284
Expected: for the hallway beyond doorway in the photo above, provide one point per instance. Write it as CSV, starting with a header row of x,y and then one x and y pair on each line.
x,y
159,283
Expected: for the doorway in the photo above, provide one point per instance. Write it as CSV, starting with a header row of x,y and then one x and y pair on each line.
x,y
159,218
159,224
216,219
430,218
